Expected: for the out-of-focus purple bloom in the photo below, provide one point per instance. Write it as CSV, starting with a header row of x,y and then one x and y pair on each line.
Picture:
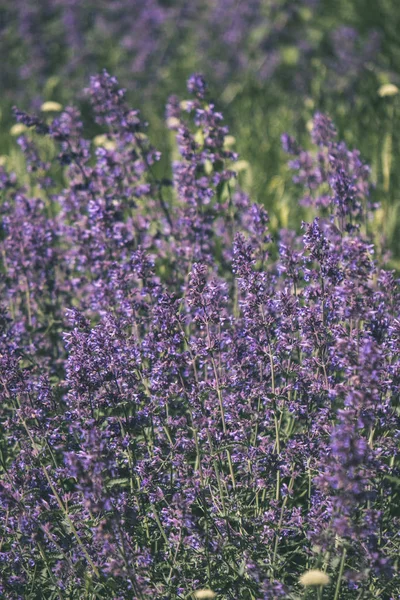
x,y
197,85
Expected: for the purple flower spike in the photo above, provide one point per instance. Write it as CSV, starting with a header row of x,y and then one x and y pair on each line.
x,y
197,86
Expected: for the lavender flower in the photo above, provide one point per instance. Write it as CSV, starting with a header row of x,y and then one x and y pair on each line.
x,y
187,402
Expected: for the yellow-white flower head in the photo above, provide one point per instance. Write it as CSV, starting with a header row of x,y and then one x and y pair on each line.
x,y
103,141
18,128
173,122
389,89
199,594
50,106
229,141
313,578
240,165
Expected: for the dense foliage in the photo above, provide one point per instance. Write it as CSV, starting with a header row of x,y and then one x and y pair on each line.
x,y
189,400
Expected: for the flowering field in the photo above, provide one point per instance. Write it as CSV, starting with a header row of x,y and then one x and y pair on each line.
x,y
199,326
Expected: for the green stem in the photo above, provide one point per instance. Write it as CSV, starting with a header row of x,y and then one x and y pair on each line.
x,y
43,555
285,500
341,569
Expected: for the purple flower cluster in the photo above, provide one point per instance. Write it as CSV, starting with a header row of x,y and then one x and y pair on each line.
x,y
188,401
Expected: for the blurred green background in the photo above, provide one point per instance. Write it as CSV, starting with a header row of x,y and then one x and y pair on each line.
x,y
270,66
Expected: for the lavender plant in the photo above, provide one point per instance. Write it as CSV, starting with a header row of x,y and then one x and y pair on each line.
x,y
272,64
191,406
145,42
70,38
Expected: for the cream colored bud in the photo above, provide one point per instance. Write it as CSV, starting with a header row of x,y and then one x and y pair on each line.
x,y
173,122
103,141
240,165
229,140
204,594
389,89
51,106
314,577
18,128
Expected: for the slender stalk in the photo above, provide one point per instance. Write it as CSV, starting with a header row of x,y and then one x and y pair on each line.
x,y
276,543
341,569
28,304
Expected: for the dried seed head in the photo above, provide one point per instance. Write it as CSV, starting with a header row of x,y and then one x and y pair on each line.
x,y
204,594
51,106
314,577
389,89
18,129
